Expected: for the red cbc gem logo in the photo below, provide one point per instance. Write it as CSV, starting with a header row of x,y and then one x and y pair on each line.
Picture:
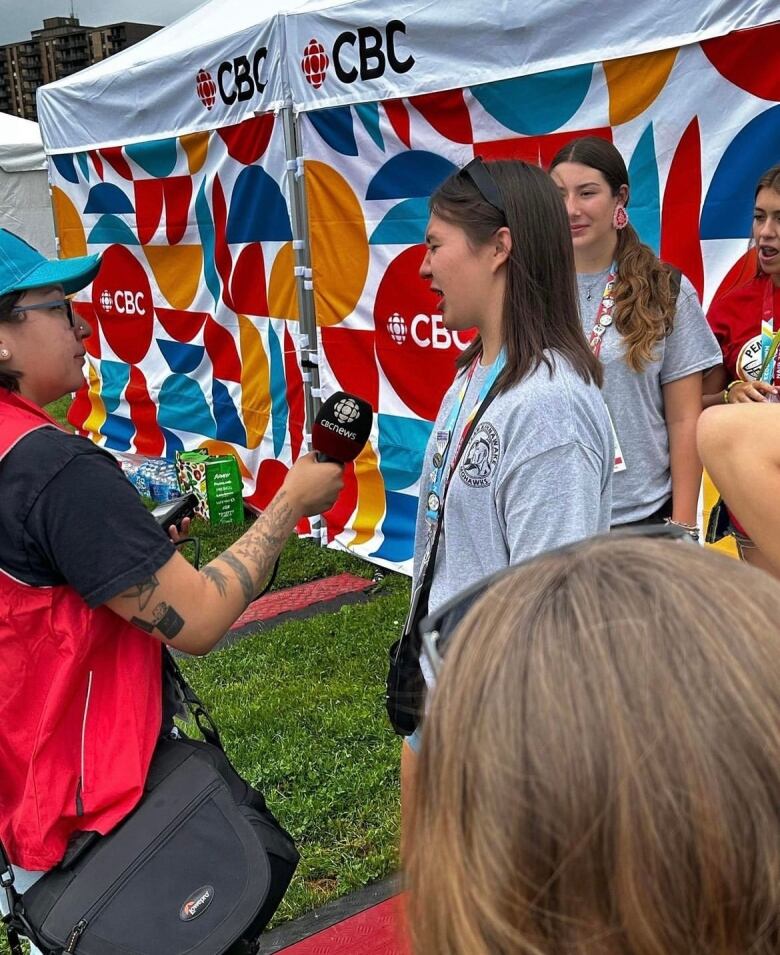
x,y
207,90
315,63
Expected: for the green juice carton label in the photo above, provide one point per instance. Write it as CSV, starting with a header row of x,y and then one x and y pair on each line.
x,y
224,490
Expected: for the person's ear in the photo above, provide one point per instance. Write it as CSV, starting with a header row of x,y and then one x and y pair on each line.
x,y
622,195
502,246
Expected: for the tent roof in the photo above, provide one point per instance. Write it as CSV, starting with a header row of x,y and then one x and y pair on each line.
x,y
208,70
21,148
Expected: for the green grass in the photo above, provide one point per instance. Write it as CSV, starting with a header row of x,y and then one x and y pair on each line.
x,y
301,709
59,410
301,712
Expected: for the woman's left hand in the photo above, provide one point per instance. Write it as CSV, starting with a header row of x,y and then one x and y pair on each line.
x,y
175,534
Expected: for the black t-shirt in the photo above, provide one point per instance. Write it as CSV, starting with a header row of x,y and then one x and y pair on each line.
x,y
69,515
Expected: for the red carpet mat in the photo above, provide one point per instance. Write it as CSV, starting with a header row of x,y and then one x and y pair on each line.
x,y
293,599
374,931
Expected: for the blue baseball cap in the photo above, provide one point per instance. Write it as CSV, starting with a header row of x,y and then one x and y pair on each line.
x,y
22,267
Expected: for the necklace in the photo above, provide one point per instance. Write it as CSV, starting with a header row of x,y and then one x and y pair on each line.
x,y
593,284
589,290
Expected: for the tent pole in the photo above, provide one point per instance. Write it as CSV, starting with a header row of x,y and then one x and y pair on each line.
x,y
303,280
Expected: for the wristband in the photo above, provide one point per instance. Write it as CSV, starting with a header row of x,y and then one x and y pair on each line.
x,y
691,529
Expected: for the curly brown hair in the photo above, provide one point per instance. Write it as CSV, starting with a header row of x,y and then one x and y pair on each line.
x,y
646,288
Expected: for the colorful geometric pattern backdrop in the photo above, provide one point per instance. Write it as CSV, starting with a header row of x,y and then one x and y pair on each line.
x,y
696,125
195,341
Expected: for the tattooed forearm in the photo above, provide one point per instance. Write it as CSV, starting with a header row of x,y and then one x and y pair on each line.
x,y
142,592
244,577
215,575
165,618
270,533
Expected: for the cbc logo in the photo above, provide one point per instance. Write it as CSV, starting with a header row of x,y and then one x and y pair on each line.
x,y
315,63
366,54
206,88
346,411
237,79
123,302
427,331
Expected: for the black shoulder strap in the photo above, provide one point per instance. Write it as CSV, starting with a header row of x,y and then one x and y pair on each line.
x,y
183,692
427,580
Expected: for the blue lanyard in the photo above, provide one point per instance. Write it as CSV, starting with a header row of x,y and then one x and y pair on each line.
x,y
438,485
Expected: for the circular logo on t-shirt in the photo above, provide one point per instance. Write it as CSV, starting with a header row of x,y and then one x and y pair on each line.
x,y
481,456
749,359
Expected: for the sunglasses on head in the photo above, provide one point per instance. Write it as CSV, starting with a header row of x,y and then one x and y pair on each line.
x,y
484,182
437,628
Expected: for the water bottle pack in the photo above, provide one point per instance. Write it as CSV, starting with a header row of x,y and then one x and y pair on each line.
x,y
152,477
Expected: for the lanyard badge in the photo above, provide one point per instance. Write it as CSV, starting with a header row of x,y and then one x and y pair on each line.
x,y
604,314
439,478
603,321
770,354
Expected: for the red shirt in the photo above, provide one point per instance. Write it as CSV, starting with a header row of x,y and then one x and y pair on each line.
x,y
735,321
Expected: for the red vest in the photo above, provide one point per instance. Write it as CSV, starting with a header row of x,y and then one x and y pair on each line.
x,y
80,703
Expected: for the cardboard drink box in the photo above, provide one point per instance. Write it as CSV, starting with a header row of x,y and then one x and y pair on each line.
x,y
224,490
216,482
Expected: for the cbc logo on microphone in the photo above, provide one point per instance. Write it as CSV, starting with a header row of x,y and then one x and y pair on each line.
x,y
346,411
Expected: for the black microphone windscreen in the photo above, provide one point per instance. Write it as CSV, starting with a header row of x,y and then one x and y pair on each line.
x,y
342,427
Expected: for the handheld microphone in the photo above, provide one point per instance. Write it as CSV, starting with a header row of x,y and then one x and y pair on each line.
x,y
341,428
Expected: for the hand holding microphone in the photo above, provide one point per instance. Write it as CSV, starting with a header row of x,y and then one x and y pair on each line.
x,y
340,431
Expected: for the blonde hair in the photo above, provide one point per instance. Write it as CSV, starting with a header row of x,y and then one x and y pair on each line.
x,y
600,769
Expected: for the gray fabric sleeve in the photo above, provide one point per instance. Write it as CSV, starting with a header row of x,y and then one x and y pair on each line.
x,y
570,472
691,345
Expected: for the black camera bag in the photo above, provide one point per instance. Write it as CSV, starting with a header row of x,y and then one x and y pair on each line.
x,y
198,867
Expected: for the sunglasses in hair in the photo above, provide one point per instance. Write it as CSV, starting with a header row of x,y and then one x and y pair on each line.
x,y
484,182
438,627
61,305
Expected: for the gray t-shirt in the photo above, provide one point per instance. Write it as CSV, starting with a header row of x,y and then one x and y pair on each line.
x,y
535,474
635,399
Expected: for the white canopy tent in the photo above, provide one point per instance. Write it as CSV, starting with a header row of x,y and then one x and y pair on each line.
x,y
147,91
275,159
25,207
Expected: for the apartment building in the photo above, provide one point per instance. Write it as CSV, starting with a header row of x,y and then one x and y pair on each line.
x,y
60,47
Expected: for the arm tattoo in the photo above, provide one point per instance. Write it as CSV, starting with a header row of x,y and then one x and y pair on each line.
x,y
215,575
244,577
263,547
165,618
167,621
142,592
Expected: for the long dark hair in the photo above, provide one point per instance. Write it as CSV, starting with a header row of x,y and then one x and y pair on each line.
x,y
540,304
9,379
645,297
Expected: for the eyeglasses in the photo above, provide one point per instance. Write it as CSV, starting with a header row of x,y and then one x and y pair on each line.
x,y
484,182
438,627
60,305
